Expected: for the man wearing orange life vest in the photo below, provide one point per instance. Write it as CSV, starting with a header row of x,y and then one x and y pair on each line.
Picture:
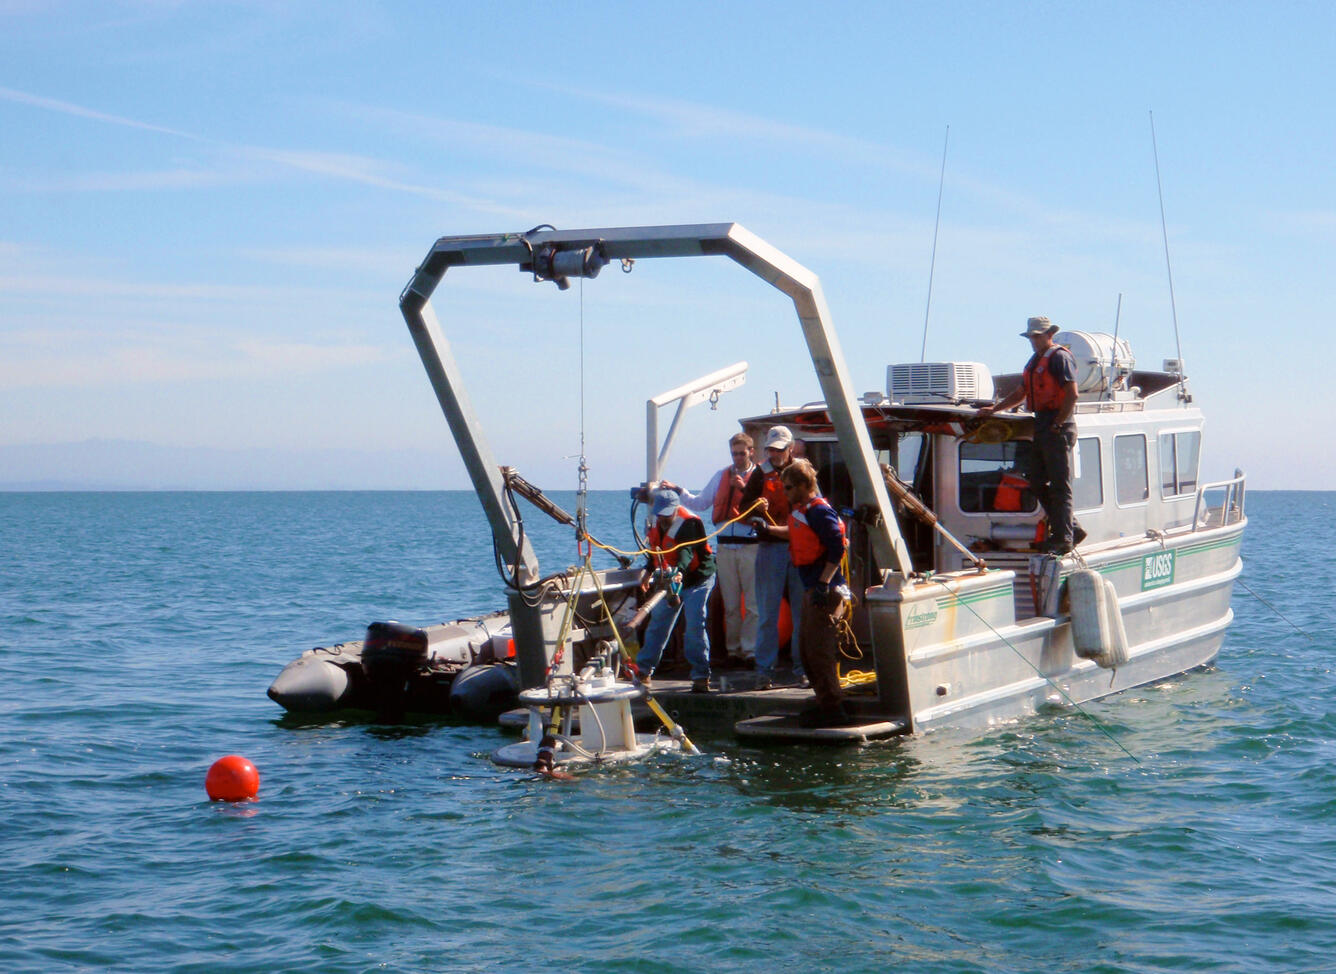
x,y
774,571
735,561
1048,388
679,548
816,546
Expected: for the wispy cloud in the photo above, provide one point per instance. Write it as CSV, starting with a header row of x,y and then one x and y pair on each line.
x,y
510,149
80,111
55,360
1317,222
365,170
142,181
691,120
76,285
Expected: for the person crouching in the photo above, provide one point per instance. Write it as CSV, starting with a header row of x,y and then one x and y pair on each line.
x,y
679,548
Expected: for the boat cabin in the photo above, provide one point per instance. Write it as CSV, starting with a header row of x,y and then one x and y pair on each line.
x,y
1136,463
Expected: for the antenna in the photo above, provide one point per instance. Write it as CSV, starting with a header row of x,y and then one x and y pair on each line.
x,y
1164,230
932,265
1113,352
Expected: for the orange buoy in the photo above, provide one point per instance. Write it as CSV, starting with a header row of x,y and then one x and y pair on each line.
x,y
232,779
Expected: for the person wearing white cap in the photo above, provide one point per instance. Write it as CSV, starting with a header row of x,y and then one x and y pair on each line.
x,y
1048,388
774,571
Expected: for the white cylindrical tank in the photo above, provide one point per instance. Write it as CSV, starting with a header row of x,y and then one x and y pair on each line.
x,y
1103,363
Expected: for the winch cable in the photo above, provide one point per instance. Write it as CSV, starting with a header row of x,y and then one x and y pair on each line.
x,y
582,494
1043,676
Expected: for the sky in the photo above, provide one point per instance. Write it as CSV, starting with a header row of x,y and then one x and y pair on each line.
x,y
208,211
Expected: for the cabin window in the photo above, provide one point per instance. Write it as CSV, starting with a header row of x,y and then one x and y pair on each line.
x,y
1179,456
1087,485
992,478
1129,475
909,448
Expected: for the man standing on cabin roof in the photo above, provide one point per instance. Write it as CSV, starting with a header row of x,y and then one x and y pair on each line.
x,y
735,561
774,570
1048,387
680,550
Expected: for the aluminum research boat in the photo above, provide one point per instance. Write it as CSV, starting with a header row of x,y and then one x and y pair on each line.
x,y
961,618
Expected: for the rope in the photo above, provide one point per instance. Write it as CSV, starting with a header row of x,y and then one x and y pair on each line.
x,y
857,678
664,551
1066,696
1275,610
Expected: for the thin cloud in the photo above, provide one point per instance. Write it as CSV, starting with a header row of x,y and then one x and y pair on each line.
x,y
116,182
592,161
696,121
79,111
1317,222
122,363
358,169
106,287
369,172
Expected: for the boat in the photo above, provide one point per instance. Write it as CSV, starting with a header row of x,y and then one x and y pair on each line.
x,y
962,619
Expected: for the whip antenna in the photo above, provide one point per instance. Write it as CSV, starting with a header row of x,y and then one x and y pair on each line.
x,y
932,265
1113,356
1164,230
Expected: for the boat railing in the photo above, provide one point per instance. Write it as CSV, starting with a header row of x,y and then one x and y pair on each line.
x,y
1228,511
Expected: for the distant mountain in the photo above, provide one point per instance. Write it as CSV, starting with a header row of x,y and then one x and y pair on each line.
x,y
133,465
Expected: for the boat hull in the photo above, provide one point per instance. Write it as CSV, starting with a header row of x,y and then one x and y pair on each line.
x,y
952,651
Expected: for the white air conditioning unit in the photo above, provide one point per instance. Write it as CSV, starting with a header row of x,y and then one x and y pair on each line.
x,y
918,383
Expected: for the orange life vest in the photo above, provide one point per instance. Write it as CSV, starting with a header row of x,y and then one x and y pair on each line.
x,y
669,559
772,489
1042,391
1009,491
805,547
728,496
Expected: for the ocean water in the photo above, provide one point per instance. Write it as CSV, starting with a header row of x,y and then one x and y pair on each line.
x,y
138,632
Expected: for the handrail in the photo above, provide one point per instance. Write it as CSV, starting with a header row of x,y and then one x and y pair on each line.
x,y
1232,504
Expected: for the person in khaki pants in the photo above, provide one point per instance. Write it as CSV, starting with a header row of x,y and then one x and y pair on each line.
x,y
735,555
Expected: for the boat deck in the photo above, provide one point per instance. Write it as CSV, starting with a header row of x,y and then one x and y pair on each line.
x,y
733,698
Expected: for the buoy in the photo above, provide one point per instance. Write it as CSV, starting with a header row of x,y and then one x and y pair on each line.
x,y
232,779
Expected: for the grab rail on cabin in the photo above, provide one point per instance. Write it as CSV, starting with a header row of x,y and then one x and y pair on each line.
x,y
1230,510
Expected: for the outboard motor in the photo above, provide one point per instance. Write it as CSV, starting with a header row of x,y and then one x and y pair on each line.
x,y
391,656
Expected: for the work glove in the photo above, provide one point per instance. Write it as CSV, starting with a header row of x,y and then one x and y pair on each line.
x,y
824,597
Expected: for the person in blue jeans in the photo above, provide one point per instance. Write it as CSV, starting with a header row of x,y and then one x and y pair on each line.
x,y
680,550
775,572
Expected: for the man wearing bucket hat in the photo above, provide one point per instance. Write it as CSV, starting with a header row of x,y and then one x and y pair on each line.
x,y
1048,388
678,548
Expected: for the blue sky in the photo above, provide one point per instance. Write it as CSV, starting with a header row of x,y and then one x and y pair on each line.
x,y
207,212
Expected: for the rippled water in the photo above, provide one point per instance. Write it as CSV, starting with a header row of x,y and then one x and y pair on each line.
x,y
138,633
